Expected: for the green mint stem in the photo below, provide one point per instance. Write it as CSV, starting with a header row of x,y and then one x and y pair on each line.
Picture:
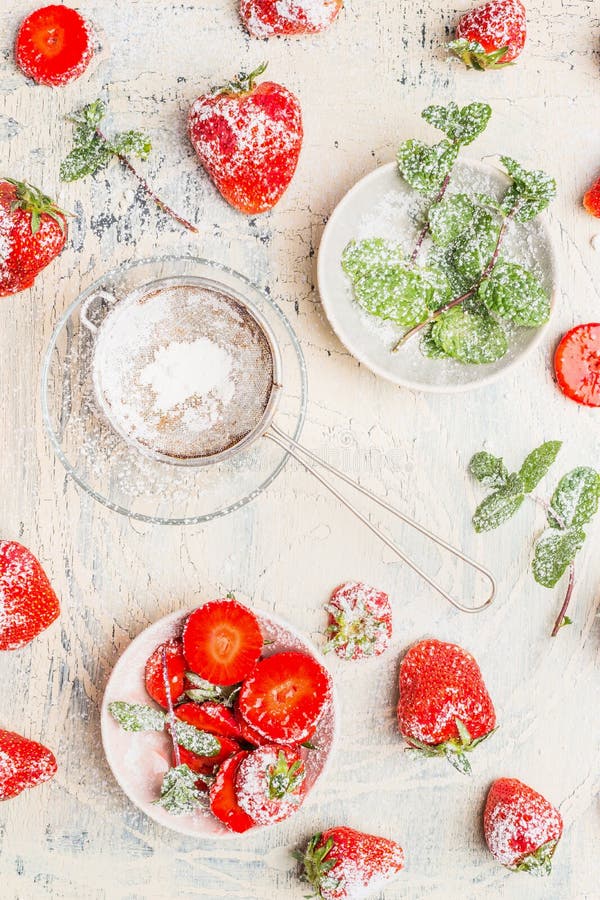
x,y
159,202
425,229
566,601
466,296
172,722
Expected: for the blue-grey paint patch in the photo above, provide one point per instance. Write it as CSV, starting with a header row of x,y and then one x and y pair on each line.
x,y
9,127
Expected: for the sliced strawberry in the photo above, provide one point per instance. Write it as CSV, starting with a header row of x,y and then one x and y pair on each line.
x,y
285,696
53,45
269,784
577,364
223,801
212,717
252,736
222,641
205,765
176,666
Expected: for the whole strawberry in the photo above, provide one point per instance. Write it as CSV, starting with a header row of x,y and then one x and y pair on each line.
x,y
33,230
491,36
360,621
444,707
248,138
342,864
23,764
264,18
591,199
521,827
28,604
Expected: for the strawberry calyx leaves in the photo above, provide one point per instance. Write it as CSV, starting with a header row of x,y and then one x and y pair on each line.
x,y
473,55
317,864
32,200
352,629
283,778
243,83
539,862
454,750
203,690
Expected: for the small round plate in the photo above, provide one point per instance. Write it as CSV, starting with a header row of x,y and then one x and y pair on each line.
x,y
383,205
139,760
116,472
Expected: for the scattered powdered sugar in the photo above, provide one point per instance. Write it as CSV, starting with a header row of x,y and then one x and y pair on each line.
x,y
595,242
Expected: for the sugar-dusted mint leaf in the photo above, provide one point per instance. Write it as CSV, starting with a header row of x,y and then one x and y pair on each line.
x,y
360,257
449,218
398,294
499,506
462,126
537,464
429,348
425,167
575,500
470,337
530,192
554,551
512,292
440,291
199,742
179,794
136,716
203,690
488,469
472,250
131,143
488,201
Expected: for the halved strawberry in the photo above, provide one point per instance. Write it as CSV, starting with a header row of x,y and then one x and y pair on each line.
x,y
53,45
252,736
269,784
222,641
577,364
285,696
205,765
212,717
176,666
223,801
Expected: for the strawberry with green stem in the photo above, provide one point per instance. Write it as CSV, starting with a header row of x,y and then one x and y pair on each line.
x,y
491,36
269,784
360,621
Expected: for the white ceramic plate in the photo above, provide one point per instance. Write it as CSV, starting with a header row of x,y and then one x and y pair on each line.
x,y
139,761
383,205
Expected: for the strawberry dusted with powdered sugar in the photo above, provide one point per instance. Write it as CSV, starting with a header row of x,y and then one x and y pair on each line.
x,y
54,45
344,864
521,827
269,784
223,799
444,707
222,641
23,764
265,18
491,36
248,137
169,654
360,621
28,604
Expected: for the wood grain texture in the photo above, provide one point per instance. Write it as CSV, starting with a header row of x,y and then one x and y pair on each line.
x,y
362,86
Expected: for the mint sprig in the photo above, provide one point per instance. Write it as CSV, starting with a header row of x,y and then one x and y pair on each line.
x,y
179,793
137,717
202,691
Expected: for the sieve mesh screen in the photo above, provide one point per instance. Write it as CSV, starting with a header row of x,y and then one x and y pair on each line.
x,y
184,370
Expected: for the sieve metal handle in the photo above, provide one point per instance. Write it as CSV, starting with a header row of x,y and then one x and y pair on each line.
x,y
310,462
85,306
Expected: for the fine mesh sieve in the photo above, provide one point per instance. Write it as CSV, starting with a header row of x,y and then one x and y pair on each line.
x,y
190,374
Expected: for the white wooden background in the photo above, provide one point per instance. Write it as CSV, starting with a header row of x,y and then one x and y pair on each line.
x,y
362,86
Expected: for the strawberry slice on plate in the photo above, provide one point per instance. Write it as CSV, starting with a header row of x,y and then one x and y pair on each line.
x,y
577,364
212,717
205,765
269,784
53,45
223,800
222,641
176,666
285,696
23,764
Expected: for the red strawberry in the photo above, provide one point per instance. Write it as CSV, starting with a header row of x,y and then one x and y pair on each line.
x,y
343,864
28,604
285,696
577,364
264,18
521,827
212,717
223,801
360,621
205,765
269,784
53,45
444,707
23,764
248,138
176,666
222,641
591,199
252,736
33,230
491,36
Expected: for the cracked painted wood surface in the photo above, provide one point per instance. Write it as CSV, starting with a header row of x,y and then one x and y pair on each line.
x,y
362,86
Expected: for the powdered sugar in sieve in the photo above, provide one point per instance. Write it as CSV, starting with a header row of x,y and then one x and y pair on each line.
x,y
183,369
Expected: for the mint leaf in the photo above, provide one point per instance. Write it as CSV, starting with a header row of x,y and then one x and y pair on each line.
x,y
136,716
462,126
199,742
429,347
554,552
530,191
401,295
470,337
360,257
488,469
449,218
471,251
179,794
425,167
203,690
537,464
575,500
499,506
131,143
514,293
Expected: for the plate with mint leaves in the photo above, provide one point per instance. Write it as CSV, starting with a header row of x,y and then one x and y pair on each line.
x,y
436,271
